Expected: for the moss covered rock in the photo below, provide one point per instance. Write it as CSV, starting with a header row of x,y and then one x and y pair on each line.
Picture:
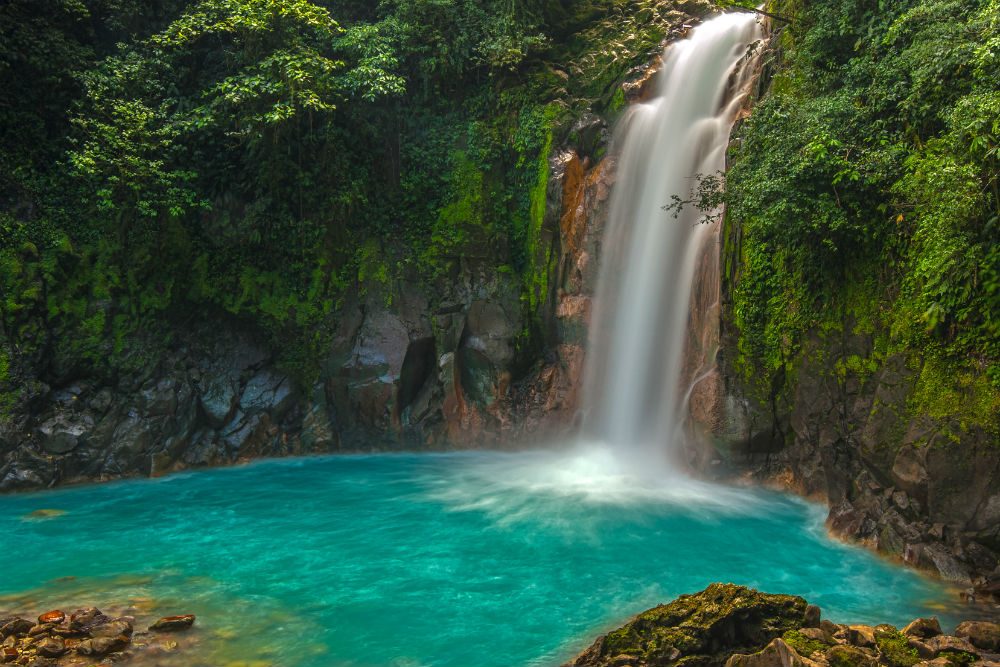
x,y
702,629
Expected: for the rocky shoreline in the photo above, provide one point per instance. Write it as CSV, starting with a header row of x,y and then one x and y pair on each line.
x,y
733,626
86,636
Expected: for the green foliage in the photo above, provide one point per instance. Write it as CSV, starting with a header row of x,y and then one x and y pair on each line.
x,y
872,162
162,161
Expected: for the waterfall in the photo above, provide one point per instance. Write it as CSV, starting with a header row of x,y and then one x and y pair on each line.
x,y
641,363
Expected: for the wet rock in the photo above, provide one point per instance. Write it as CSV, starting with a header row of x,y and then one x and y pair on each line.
x,y
99,646
8,654
51,647
173,623
14,626
119,626
981,634
923,628
64,431
54,616
704,628
41,629
218,400
267,392
82,619
939,557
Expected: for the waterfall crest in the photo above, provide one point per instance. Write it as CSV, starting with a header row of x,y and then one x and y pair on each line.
x,y
638,374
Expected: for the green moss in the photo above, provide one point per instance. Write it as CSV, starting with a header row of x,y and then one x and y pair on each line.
x,y
951,391
803,645
894,648
958,658
848,656
536,275
708,626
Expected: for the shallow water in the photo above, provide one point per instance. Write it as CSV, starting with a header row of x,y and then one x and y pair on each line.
x,y
411,560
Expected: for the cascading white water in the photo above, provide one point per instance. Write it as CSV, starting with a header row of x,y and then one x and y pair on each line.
x,y
633,391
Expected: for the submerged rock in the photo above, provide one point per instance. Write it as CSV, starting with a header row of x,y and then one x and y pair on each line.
x,y
704,629
99,646
173,623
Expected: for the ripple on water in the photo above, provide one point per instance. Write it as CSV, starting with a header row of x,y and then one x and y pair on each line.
x,y
433,560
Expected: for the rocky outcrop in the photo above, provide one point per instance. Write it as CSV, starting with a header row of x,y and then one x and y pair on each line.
x,y
926,491
733,626
81,637
700,629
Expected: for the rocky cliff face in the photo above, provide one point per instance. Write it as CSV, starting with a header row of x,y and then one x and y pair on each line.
x,y
923,489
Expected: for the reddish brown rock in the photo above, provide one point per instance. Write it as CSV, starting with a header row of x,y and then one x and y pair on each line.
x,y
54,616
8,654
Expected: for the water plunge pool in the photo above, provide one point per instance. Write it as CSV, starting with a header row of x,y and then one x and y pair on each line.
x,y
483,559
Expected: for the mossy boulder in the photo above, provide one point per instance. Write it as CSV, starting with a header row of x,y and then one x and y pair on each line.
x,y
701,630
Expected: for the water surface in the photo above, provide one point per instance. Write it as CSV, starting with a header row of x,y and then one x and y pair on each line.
x,y
482,559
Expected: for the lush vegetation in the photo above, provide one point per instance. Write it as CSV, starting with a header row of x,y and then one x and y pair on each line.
x,y
865,191
170,160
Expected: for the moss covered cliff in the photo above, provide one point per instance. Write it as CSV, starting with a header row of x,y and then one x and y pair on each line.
x,y
862,274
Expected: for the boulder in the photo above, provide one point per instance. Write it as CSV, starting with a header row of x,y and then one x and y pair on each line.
x,y
705,628
87,617
981,634
946,643
860,635
922,628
